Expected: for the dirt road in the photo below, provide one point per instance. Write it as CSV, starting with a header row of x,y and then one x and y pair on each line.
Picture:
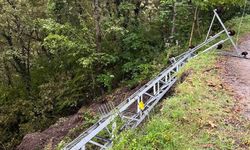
x,y
237,76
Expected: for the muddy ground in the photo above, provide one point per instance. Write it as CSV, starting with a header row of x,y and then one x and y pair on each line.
x,y
237,75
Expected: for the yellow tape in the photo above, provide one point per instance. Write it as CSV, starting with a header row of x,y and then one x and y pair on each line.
x,y
141,105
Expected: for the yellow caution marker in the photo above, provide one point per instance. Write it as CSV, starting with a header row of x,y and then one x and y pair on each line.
x,y
141,105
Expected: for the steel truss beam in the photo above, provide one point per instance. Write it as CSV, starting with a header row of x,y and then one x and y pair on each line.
x,y
150,94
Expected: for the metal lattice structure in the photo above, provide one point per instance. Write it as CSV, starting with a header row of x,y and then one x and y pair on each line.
x,y
100,135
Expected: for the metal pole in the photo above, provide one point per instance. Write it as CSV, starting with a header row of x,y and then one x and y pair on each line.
x,y
154,89
210,27
158,87
138,101
230,38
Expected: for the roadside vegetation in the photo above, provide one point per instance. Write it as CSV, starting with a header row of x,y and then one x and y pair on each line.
x,y
201,114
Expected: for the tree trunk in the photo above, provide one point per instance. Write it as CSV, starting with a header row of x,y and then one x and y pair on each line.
x,y
7,72
173,21
108,7
126,20
193,26
20,66
97,25
137,9
198,24
117,4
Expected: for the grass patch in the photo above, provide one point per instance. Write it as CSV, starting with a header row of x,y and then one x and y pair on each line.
x,y
199,116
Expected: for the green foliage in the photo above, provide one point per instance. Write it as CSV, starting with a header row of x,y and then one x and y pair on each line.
x,y
51,65
211,3
106,80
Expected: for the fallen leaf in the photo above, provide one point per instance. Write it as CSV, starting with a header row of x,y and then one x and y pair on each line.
x,y
212,124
